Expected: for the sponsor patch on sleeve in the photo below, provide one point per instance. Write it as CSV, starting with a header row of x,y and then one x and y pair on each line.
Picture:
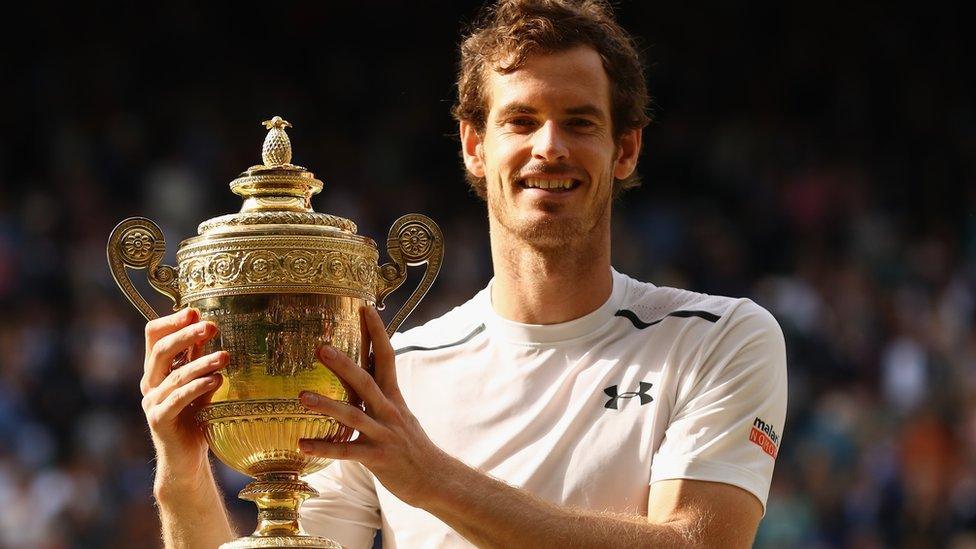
x,y
763,435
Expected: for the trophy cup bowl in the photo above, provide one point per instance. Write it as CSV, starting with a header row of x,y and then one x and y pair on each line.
x,y
279,280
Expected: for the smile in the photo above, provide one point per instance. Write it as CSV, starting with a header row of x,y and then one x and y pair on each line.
x,y
551,185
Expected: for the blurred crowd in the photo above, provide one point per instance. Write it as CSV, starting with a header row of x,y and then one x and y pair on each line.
x,y
833,181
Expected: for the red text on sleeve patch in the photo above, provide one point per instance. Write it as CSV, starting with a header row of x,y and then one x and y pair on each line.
x,y
763,435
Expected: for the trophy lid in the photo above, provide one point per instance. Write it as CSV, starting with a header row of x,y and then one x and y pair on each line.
x,y
275,192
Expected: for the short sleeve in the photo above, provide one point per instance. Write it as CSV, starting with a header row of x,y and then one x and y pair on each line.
x,y
346,509
731,406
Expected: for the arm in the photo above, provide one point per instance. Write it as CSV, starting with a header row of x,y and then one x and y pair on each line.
x,y
191,508
490,513
191,517
682,513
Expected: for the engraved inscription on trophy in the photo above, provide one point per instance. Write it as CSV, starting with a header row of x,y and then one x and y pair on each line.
x,y
293,335
283,337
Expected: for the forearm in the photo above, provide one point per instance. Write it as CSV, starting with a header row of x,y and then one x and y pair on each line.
x,y
192,516
490,513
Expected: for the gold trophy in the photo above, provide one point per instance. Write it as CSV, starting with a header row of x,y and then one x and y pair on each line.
x,y
279,280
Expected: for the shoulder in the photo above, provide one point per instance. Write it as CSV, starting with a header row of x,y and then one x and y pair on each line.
x,y
649,303
458,325
645,305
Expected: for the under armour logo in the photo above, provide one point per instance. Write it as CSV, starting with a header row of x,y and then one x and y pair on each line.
x,y
641,392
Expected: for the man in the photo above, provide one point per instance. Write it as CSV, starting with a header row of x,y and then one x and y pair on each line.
x,y
564,405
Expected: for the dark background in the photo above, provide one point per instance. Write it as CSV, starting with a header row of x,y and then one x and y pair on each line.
x,y
816,157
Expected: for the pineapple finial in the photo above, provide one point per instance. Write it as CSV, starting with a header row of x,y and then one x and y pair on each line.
x,y
277,147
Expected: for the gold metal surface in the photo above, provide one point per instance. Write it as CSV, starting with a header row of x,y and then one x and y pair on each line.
x,y
279,280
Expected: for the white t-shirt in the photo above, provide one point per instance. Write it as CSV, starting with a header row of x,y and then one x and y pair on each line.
x,y
656,384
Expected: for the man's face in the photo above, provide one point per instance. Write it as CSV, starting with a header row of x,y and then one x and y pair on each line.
x,y
547,152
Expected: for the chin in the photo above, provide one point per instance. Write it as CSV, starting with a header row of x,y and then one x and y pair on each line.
x,y
550,233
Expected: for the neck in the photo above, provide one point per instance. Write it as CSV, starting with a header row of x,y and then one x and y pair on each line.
x,y
549,285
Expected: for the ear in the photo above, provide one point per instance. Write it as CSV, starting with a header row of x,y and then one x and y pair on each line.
x,y
628,147
471,150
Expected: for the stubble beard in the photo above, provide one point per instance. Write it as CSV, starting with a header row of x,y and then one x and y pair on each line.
x,y
559,234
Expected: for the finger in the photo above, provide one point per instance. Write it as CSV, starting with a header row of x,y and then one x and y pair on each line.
x,y
366,342
344,413
178,400
165,325
378,336
357,378
384,355
335,450
200,367
160,360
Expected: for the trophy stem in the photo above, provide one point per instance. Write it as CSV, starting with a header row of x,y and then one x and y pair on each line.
x,y
278,497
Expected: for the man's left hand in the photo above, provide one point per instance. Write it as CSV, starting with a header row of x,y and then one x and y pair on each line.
x,y
391,442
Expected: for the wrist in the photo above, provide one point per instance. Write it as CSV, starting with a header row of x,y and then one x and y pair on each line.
x,y
182,483
454,480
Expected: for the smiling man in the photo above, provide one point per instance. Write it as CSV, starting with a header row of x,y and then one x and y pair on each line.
x,y
566,404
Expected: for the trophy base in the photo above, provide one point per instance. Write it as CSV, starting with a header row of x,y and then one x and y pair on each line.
x,y
282,542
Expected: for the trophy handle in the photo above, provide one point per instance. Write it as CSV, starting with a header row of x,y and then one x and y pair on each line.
x,y
138,243
414,240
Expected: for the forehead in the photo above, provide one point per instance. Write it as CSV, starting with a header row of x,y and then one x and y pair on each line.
x,y
553,81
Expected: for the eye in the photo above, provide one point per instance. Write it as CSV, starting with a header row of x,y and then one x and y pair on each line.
x,y
581,123
522,123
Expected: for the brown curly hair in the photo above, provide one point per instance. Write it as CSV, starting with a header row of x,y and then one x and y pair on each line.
x,y
506,33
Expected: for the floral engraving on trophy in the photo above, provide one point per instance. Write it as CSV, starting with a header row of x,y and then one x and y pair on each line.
x,y
365,272
415,240
226,267
137,244
261,266
302,265
209,270
337,265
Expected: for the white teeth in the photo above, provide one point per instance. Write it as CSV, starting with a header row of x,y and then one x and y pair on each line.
x,y
549,183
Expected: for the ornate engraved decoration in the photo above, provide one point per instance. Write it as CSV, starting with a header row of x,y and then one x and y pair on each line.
x,y
138,243
290,542
414,239
298,264
277,147
252,408
277,218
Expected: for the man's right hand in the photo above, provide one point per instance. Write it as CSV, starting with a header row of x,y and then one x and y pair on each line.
x,y
191,508
181,448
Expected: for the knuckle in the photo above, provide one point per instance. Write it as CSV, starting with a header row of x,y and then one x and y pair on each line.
x,y
178,377
155,354
182,393
153,419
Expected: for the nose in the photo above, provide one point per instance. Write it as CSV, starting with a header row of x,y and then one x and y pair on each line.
x,y
548,143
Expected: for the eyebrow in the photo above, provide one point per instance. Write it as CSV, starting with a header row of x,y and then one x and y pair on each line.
x,y
522,108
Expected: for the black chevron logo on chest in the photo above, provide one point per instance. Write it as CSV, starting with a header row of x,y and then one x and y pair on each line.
x,y
641,393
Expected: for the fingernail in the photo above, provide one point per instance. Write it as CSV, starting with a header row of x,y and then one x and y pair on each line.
x,y
219,357
213,380
310,399
329,352
204,329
